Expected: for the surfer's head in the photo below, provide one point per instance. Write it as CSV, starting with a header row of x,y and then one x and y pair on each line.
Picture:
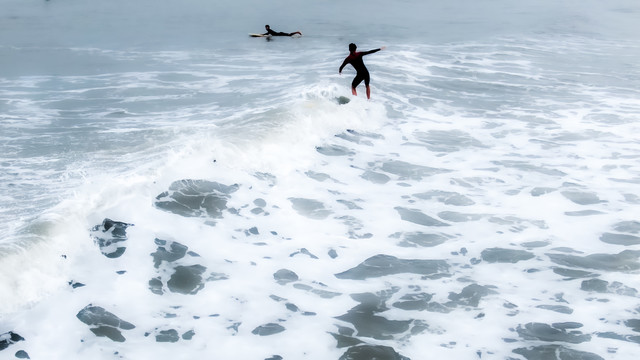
x,y
352,47
267,27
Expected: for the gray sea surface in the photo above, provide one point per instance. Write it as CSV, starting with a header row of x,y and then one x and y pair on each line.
x,y
173,188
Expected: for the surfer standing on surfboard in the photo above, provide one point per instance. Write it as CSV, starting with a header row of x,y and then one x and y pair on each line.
x,y
355,59
273,33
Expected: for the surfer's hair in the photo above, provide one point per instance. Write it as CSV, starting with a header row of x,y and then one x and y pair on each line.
x,y
352,47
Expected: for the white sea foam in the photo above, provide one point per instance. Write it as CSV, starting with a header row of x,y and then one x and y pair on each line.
x,y
481,205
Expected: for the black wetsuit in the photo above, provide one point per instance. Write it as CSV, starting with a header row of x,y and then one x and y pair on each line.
x,y
273,33
355,59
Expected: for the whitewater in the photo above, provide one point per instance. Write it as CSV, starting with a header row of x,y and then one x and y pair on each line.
x,y
172,188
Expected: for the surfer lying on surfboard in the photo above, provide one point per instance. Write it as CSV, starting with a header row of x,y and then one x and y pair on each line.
x,y
355,59
273,33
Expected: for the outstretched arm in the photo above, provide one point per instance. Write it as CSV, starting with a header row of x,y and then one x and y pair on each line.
x,y
372,51
344,63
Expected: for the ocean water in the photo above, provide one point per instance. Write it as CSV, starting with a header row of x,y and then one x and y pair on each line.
x,y
171,188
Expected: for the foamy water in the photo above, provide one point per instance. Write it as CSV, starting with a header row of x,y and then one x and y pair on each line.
x,y
238,202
